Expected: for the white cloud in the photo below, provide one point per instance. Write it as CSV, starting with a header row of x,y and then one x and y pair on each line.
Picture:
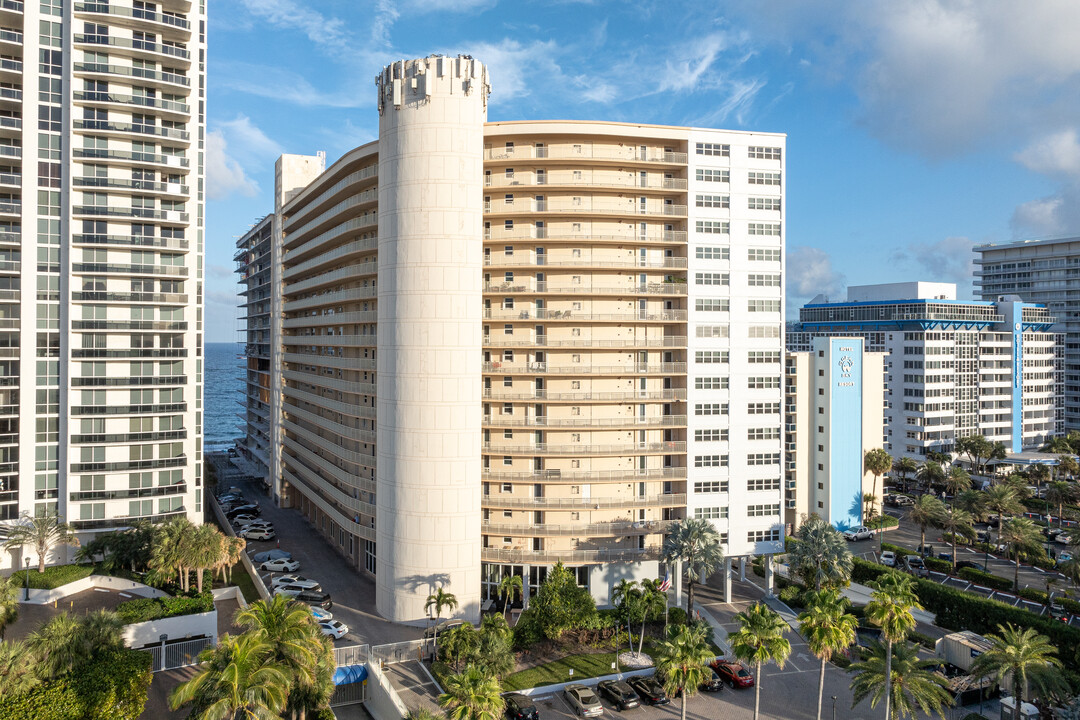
x,y
692,61
251,144
294,16
288,86
385,16
224,175
947,260
512,66
810,272
1054,154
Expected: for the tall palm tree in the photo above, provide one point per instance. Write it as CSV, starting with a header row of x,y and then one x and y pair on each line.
x,y
957,522
877,462
930,473
206,547
168,553
509,586
1023,538
696,544
16,668
683,661
472,695
438,601
828,629
1067,467
1038,474
627,598
957,481
1059,493
1003,499
653,602
821,556
903,467
891,601
973,502
913,683
1059,444
288,627
235,680
9,604
760,639
868,500
42,532
56,646
926,511
1025,657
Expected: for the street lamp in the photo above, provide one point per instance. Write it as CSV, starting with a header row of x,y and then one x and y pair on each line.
x,y
833,707
27,574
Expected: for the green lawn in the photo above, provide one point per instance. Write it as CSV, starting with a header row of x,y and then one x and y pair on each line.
x,y
558,671
53,577
242,579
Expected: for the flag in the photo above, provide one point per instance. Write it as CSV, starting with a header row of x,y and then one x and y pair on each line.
x,y
666,585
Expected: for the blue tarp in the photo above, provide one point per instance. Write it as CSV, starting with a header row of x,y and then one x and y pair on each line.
x,y
348,674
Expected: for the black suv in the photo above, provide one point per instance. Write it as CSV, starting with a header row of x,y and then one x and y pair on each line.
x,y
648,690
520,707
712,683
618,694
320,599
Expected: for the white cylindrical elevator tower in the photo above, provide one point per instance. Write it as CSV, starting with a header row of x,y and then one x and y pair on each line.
x,y
431,144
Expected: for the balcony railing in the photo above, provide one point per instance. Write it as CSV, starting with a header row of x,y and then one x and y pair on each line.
x,y
528,285
556,179
670,446
568,556
522,258
121,42
516,340
543,314
627,153
137,13
640,527
577,422
676,394
503,500
543,368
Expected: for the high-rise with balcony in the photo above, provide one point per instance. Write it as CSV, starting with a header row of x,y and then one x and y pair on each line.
x,y
510,344
101,240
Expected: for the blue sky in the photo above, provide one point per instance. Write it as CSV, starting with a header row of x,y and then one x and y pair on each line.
x,y
915,128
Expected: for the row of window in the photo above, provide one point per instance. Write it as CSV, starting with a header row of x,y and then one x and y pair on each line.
x,y
722,227
724,279
754,408
752,485
724,202
724,176
756,152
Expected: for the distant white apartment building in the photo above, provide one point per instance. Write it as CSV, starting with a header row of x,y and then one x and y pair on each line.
x,y
1045,272
570,334
834,414
101,272
953,368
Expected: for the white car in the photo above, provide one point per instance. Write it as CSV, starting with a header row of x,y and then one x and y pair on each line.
x,y
861,533
294,589
241,520
334,628
297,581
257,524
280,565
257,534
321,615
272,555
286,579
888,558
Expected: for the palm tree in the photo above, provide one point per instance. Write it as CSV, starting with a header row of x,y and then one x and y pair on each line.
x,y
930,473
56,646
913,683
1027,658
42,532
926,511
509,586
235,680
760,639
1067,466
877,462
903,467
653,602
1023,538
626,597
207,546
828,629
821,556
957,481
957,522
892,600
973,502
1039,474
1059,493
1059,444
868,500
16,669
683,661
472,695
439,600
168,551
696,544
100,630
1003,499
9,604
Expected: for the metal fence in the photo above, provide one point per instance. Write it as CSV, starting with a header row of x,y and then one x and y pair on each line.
x,y
397,652
351,655
176,655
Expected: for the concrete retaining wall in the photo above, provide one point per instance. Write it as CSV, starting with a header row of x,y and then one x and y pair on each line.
x,y
139,635
591,682
135,589
245,560
382,700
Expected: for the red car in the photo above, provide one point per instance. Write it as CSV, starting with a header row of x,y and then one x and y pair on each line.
x,y
733,673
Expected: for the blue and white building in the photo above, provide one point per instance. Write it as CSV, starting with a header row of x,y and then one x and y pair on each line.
x,y
952,368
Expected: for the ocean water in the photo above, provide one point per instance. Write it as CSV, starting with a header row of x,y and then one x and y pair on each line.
x,y
222,384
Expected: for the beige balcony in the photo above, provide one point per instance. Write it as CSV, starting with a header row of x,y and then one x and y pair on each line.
x,y
508,501
560,205
555,476
615,153
631,287
516,340
666,237
563,179
669,394
529,258
568,556
543,368
585,316
623,448
608,529
574,422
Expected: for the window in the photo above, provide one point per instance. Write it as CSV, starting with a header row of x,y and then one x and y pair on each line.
x,y
712,227
709,383
710,460
763,535
761,408
763,280
711,253
763,203
763,178
767,510
764,331
507,460
710,435
765,433
711,331
770,229
763,357
711,513
763,382
714,149
711,356
711,305
764,254
763,306
712,409
760,152
711,486
763,459
703,175
763,484
713,201
711,278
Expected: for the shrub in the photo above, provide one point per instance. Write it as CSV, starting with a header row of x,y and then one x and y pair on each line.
x,y
938,565
900,550
145,609
925,640
676,616
882,521
53,577
791,595
985,579
113,686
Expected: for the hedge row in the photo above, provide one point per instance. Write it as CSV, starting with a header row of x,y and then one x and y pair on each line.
x,y
53,577
980,577
145,609
1039,596
111,687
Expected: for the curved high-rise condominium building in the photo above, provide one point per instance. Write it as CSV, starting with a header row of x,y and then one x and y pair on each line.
x,y
101,240
506,345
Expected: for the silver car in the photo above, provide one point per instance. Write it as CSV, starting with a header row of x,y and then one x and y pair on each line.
x,y
583,700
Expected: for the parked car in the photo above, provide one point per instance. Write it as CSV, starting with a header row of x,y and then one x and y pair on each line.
x,y
915,565
583,700
1064,556
733,673
231,498
334,628
618,694
520,707
257,524
257,534
280,565
712,683
321,615
925,550
240,521
243,510
961,564
888,558
899,500
293,579
1063,539
946,556
648,690
319,599
272,555
860,533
